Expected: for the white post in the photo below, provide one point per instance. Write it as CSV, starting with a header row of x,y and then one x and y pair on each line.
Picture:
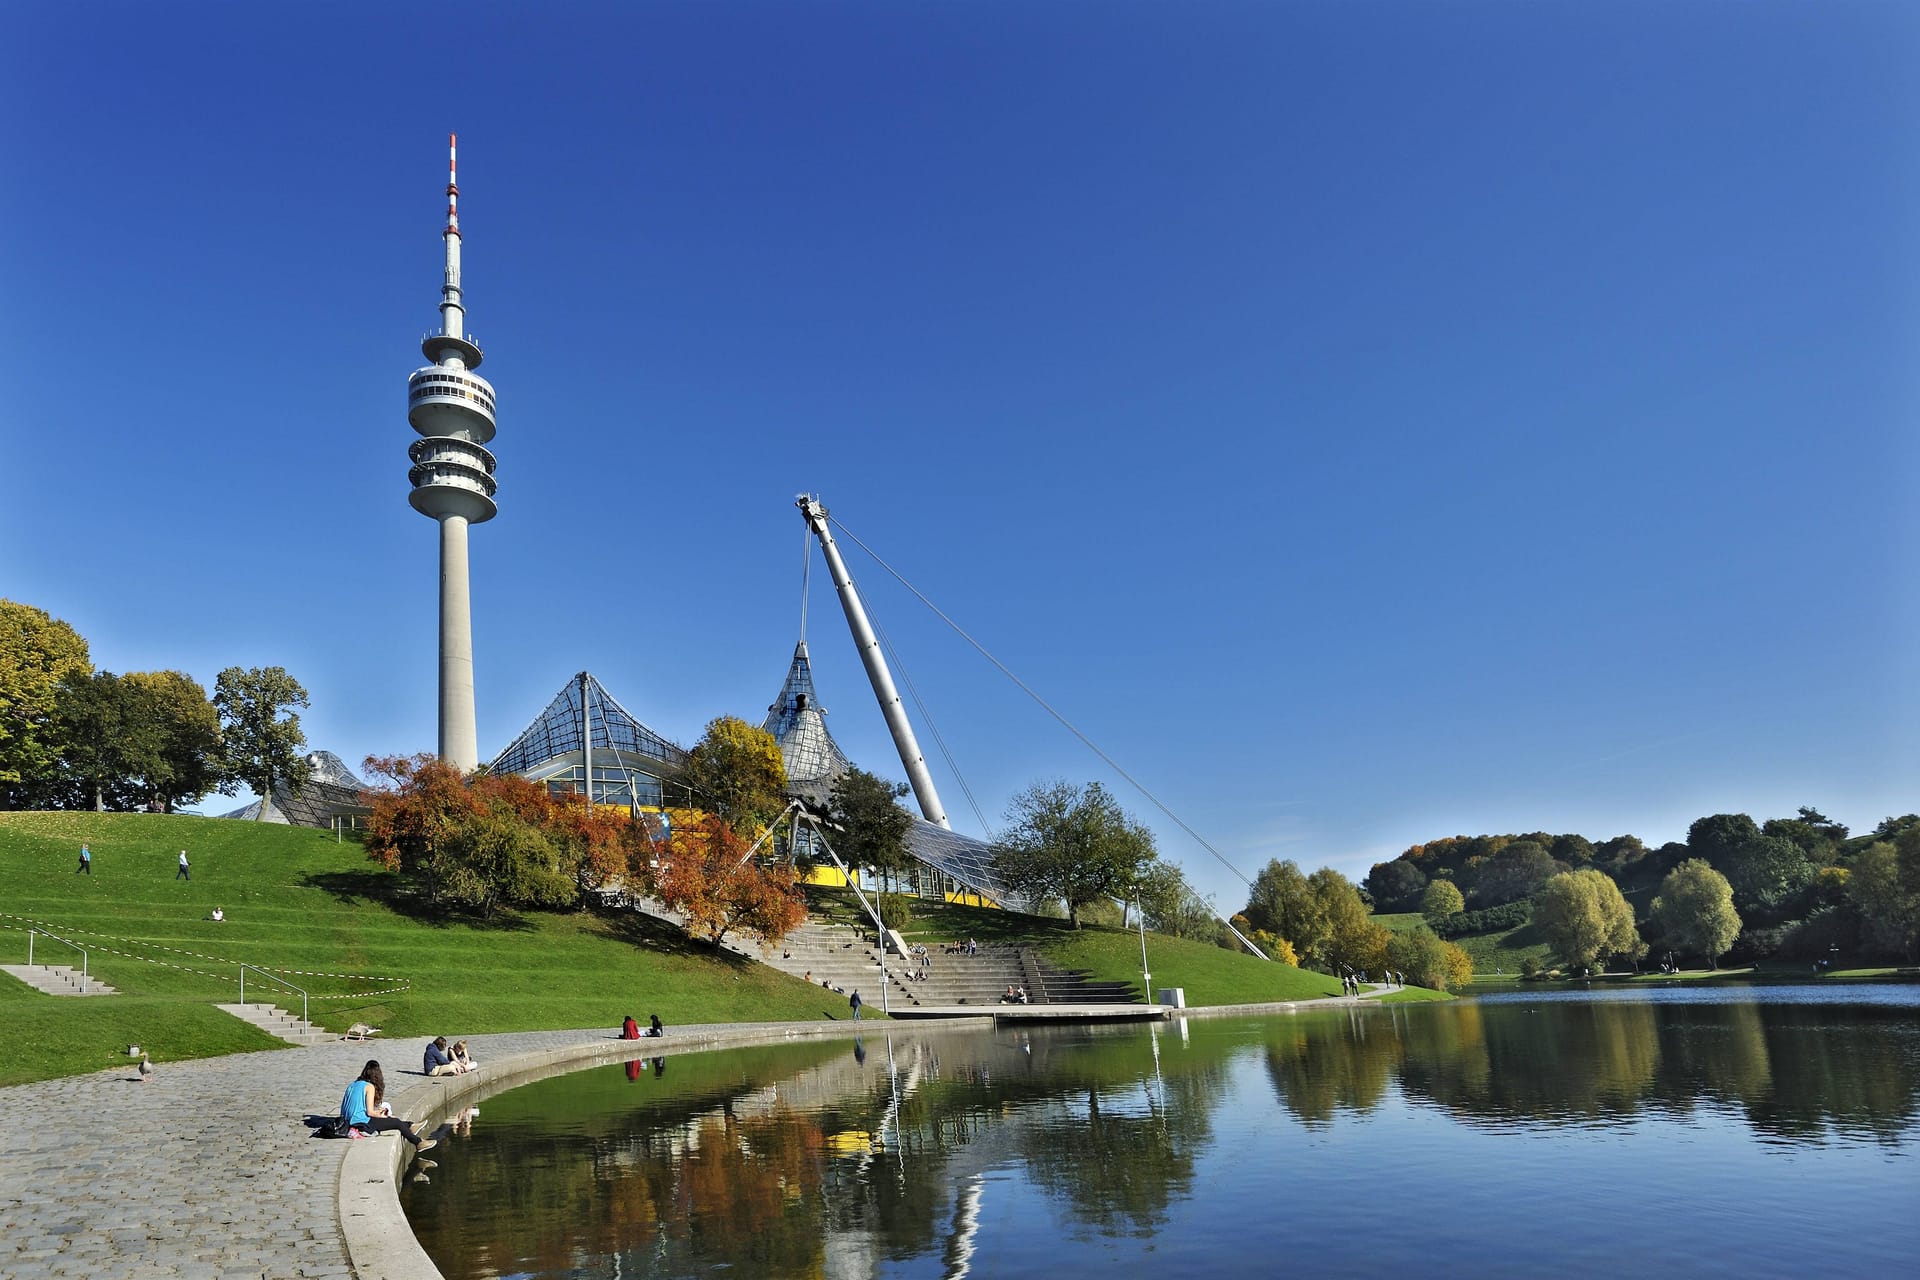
x,y
881,924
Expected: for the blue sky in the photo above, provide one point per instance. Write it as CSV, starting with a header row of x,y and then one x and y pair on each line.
x,y
1368,422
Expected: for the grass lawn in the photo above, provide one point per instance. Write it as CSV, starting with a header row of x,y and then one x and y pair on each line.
x,y
1409,995
1209,974
297,901
1400,921
1497,956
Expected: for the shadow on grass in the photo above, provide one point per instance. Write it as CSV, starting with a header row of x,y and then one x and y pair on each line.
x,y
642,930
352,888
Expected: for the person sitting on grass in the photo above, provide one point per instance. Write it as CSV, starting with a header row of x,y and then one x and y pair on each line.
x,y
364,1107
437,1061
217,915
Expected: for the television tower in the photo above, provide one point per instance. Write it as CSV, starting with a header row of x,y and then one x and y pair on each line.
x,y
451,406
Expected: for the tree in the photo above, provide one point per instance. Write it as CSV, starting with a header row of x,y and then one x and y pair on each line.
x,y
1353,938
1694,911
37,652
1395,883
186,757
1440,901
1071,843
1282,902
737,773
872,827
1515,872
1888,910
473,843
1714,838
262,746
1170,904
1584,917
100,744
707,877
1765,871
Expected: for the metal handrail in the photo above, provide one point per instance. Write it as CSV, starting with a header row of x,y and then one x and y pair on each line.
x,y
272,977
57,938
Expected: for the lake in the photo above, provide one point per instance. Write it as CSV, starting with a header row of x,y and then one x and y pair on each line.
x,y
1675,1130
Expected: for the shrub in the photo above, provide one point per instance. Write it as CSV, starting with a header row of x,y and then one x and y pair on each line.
x,y
1508,915
896,909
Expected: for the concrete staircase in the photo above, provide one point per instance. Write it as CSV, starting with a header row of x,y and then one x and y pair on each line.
x,y
57,980
278,1022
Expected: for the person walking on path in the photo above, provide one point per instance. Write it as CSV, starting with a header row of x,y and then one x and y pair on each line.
x,y
86,861
854,1004
182,873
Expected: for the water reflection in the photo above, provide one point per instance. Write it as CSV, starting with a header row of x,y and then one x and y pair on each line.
x,y
911,1153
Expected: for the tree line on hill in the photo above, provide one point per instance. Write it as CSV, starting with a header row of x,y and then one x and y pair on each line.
x,y
72,737
1800,888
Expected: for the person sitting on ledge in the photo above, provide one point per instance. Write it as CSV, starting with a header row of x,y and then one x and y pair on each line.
x,y
629,1030
462,1059
364,1107
437,1061
655,1027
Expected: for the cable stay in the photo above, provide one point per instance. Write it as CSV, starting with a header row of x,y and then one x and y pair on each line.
x,y
1048,707
926,714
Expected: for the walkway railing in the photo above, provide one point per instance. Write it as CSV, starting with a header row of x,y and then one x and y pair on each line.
x,y
277,981
63,942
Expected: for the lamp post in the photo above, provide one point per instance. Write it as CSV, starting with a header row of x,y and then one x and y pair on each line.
x,y
881,925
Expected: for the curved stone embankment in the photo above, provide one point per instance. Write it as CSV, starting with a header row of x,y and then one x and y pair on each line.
x,y
208,1171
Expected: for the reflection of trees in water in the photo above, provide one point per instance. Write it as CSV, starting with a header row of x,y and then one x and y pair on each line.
x,y
1796,1072
721,1169
1320,1065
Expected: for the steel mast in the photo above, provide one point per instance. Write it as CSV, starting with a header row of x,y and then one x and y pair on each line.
x,y
876,664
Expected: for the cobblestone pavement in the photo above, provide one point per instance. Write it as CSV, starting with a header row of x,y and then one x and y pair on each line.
x,y
207,1171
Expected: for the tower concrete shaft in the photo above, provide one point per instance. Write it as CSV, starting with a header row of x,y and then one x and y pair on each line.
x,y
452,408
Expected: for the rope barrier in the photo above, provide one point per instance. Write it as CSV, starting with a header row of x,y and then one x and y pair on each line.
x,y
29,923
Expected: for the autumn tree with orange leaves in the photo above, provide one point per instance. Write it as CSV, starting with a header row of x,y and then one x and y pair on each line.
x,y
473,843
707,877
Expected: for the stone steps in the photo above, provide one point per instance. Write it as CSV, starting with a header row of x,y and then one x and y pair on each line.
x,y
57,980
279,1023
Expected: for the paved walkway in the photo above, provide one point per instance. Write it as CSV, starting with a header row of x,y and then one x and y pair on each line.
x,y
209,1172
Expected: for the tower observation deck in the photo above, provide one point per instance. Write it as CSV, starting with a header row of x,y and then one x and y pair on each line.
x,y
452,408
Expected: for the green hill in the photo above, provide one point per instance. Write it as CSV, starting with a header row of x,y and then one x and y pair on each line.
x,y
1209,974
297,901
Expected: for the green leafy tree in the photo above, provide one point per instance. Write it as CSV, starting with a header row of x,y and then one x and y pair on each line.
x,y
1418,953
1765,871
1071,843
1353,937
101,745
1715,837
1889,911
1440,901
1694,911
184,759
737,774
872,825
261,731
1171,905
1515,872
37,652
1283,902
1395,883
1572,850
1584,917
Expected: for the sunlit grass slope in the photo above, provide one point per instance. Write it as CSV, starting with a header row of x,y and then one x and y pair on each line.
x,y
296,900
1209,974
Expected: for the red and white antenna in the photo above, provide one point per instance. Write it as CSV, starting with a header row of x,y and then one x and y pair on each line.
x,y
453,185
